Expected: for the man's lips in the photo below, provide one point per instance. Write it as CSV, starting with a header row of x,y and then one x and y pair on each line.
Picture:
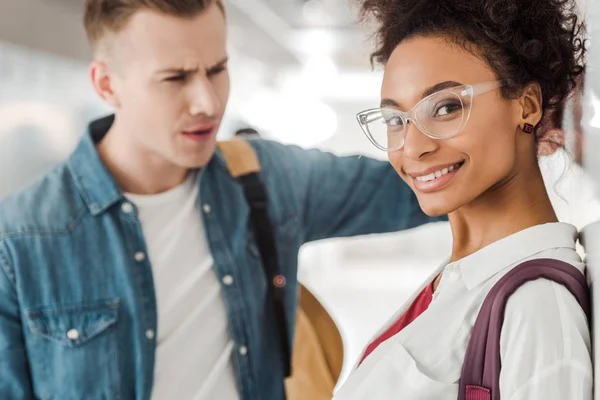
x,y
200,133
200,130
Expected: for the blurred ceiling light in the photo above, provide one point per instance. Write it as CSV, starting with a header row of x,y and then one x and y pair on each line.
x,y
319,71
337,87
290,117
314,41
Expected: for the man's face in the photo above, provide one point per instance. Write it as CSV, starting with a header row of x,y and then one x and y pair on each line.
x,y
170,85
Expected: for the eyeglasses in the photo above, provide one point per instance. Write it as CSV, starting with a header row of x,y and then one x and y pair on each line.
x,y
438,116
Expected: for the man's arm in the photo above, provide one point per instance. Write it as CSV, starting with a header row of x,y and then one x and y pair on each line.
x,y
343,196
14,372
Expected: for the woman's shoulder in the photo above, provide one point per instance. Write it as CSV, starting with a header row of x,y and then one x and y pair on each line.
x,y
546,305
544,328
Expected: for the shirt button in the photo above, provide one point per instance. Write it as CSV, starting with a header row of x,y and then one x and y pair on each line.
x,y
127,208
243,350
73,334
150,334
140,256
228,280
206,208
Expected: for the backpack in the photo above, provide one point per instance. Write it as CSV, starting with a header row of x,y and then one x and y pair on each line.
x,y
314,366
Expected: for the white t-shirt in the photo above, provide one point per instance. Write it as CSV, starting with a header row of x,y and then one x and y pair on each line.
x,y
194,349
544,346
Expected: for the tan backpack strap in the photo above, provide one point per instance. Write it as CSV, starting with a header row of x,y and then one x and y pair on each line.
x,y
240,157
318,353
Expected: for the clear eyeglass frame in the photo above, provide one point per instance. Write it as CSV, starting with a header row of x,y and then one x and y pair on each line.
x,y
395,134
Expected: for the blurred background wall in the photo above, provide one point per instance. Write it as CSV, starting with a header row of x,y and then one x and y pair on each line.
x,y
300,72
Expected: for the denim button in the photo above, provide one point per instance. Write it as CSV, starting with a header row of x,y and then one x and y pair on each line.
x,y
73,334
228,280
127,208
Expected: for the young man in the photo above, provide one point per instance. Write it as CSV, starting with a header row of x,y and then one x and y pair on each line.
x,y
131,270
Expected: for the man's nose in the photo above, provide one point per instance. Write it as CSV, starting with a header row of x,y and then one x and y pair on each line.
x,y
203,98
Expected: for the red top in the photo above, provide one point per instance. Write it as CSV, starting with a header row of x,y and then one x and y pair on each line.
x,y
420,304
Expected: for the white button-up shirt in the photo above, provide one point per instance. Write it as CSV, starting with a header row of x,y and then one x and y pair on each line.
x,y
545,342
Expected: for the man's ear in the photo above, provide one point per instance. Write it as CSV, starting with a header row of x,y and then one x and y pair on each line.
x,y
103,82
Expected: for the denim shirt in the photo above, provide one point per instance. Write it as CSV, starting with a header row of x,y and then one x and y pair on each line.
x,y
78,315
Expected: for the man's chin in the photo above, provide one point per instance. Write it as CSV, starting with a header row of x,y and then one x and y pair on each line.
x,y
199,159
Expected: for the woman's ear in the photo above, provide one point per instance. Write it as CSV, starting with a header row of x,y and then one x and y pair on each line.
x,y
531,105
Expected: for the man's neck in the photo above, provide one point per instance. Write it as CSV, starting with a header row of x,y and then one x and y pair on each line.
x,y
136,170
518,204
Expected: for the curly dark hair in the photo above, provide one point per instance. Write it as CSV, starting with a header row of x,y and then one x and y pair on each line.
x,y
523,41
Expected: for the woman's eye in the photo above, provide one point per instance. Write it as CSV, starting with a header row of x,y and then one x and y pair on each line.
x,y
447,109
394,121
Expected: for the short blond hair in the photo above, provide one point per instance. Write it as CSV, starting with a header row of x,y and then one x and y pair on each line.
x,y
111,16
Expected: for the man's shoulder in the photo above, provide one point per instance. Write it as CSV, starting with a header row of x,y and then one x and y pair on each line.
x,y
267,149
274,157
278,157
51,204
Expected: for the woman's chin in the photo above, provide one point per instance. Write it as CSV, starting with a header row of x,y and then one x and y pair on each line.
x,y
435,210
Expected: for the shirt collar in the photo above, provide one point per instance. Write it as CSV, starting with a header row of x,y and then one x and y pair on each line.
x,y
483,264
93,181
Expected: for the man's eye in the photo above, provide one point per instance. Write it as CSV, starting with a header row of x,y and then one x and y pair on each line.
x,y
175,78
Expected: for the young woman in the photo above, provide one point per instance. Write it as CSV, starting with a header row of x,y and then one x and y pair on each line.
x,y
466,86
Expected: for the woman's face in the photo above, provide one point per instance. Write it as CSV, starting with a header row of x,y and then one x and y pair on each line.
x,y
483,154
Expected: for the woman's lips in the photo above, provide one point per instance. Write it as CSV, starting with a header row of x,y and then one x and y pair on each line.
x,y
437,180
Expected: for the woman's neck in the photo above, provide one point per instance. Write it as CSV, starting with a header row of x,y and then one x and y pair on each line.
x,y
518,203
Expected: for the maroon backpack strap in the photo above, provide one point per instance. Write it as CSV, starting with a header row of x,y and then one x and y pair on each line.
x,y
480,377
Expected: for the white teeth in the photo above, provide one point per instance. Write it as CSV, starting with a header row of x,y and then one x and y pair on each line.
x,y
437,174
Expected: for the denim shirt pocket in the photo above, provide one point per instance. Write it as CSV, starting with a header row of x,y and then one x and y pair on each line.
x,y
75,344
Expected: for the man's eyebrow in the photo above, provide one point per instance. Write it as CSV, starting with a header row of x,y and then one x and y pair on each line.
x,y
217,66
177,70
180,70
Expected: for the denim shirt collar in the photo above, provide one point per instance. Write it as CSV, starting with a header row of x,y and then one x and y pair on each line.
x,y
93,181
